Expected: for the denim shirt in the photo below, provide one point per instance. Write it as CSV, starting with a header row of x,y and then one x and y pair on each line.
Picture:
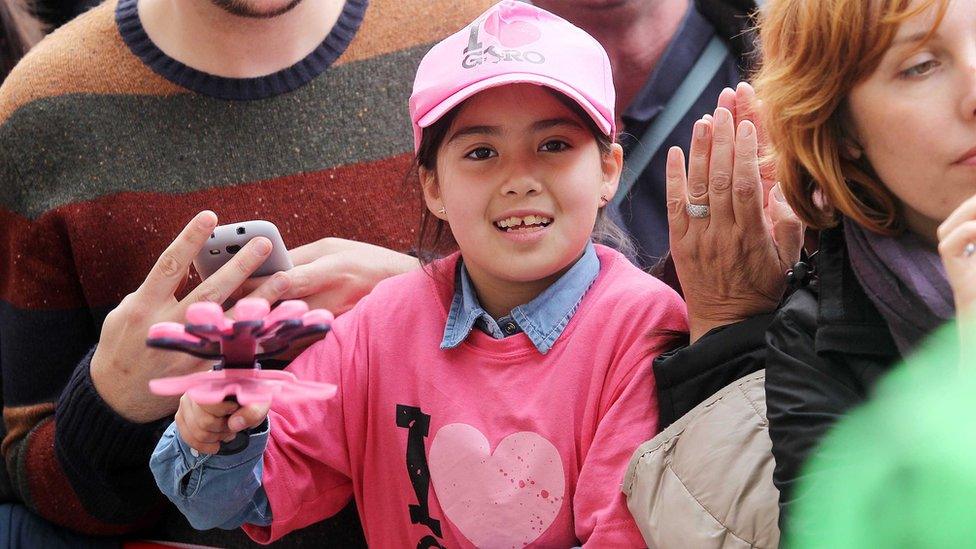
x,y
543,319
213,491
216,491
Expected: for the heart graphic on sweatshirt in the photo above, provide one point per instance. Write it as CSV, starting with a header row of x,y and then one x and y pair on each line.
x,y
512,34
505,498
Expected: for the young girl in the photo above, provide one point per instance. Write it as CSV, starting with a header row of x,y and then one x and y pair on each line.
x,y
494,398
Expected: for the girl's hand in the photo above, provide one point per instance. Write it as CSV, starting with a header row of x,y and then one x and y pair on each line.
x,y
204,426
957,246
731,264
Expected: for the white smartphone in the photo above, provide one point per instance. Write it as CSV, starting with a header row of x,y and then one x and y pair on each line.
x,y
227,240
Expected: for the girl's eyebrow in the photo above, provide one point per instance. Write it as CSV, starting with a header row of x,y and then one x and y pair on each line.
x,y
496,130
474,130
554,122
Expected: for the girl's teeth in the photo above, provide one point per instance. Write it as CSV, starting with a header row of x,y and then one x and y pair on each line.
x,y
528,220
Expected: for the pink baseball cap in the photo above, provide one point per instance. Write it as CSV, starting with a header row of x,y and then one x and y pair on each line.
x,y
513,42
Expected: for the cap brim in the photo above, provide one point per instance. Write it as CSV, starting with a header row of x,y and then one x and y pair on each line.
x,y
459,96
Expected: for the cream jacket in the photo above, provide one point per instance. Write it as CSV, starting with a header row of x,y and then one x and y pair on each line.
x,y
707,480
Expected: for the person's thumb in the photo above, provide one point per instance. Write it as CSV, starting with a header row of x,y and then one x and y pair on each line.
x,y
787,228
247,417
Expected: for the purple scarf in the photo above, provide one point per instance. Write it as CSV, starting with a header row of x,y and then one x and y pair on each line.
x,y
904,278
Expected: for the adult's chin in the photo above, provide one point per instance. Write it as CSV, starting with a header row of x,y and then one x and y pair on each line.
x,y
256,9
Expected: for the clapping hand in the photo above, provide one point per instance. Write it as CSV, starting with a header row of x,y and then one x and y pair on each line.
x,y
733,237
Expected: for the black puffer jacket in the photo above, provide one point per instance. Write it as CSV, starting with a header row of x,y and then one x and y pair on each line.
x,y
823,352
827,347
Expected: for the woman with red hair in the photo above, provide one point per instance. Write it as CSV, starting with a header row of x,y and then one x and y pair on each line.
x,y
870,112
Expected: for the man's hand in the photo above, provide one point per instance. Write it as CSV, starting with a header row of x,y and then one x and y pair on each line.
x,y
123,365
334,273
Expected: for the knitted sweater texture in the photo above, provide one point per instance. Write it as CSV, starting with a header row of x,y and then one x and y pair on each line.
x,y
108,147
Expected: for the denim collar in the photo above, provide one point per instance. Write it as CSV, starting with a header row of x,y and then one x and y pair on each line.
x,y
543,319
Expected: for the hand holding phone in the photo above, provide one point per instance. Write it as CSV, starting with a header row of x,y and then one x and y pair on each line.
x,y
227,240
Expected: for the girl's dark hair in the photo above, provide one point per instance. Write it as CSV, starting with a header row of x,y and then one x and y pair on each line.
x,y
13,45
434,237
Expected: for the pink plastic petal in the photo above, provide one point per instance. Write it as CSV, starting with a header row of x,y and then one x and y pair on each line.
x,y
171,330
251,308
285,310
207,312
317,316
248,386
257,392
210,392
173,386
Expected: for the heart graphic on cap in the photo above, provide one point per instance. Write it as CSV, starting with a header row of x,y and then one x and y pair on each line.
x,y
512,34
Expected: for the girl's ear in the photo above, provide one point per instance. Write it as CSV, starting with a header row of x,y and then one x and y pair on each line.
x,y
432,193
612,165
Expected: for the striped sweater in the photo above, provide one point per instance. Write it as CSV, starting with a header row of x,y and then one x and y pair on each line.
x,y
108,146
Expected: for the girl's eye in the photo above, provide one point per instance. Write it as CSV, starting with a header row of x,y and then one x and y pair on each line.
x,y
554,146
921,69
481,153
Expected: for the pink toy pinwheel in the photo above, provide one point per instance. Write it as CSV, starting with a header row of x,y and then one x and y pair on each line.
x,y
256,332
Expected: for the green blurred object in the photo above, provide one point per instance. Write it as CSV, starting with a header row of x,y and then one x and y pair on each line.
x,y
901,470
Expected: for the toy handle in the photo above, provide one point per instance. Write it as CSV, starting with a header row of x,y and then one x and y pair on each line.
x,y
240,441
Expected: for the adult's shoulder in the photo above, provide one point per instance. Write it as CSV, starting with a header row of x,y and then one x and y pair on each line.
x,y
799,311
391,26
85,56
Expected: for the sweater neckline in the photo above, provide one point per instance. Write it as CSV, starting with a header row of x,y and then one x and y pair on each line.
x,y
240,89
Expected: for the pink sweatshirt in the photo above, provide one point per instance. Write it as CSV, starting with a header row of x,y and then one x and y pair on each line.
x,y
490,444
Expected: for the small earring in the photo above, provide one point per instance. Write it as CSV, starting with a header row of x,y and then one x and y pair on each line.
x,y
604,200
442,211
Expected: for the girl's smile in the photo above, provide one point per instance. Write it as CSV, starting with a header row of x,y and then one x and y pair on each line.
x,y
524,226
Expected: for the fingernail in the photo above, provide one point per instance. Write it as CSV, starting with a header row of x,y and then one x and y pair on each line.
x,y
236,423
722,114
206,219
745,129
701,129
262,246
280,282
707,118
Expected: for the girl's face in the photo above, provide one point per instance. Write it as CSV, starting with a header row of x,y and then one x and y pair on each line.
x,y
521,178
915,116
